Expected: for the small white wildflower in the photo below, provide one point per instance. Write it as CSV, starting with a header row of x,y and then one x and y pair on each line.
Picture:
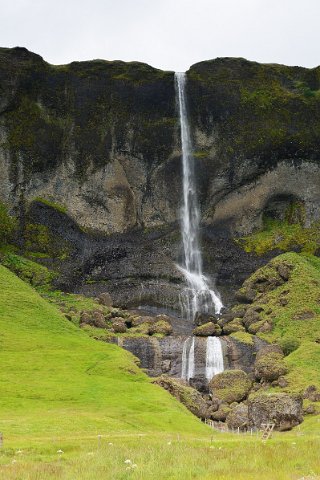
x,y
14,461
134,465
18,452
128,462
211,446
60,451
293,443
169,443
128,468
90,454
110,443
220,448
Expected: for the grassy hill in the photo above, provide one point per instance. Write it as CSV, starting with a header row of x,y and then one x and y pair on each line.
x,y
56,381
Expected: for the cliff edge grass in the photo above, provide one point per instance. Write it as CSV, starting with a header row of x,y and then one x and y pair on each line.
x,y
55,381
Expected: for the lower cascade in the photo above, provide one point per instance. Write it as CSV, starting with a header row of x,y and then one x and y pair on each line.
x,y
188,359
214,357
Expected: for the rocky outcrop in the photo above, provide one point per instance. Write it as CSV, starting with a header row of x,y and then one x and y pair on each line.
x,y
187,395
90,151
238,417
284,410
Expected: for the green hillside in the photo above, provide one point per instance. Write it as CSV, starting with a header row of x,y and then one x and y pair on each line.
x,y
57,381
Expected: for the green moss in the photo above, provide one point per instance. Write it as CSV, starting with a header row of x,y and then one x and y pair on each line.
x,y
283,236
243,337
56,206
29,271
230,386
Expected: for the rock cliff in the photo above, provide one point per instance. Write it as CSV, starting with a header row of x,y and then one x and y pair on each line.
x,y
90,163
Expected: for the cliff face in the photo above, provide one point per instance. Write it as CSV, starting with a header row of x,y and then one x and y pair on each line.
x,y
90,160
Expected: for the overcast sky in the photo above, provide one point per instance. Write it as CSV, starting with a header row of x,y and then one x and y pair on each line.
x,y
168,34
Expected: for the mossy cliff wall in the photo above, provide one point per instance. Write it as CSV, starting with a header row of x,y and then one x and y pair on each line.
x,y
91,150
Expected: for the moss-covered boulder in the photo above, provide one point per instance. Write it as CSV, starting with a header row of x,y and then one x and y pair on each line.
x,y
94,319
119,325
269,364
207,330
187,395
238,417
222,413
234,326
282,409
230,386
161,327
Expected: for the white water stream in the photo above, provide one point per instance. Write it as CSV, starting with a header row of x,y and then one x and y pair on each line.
x,y
214,357
197,297
188,359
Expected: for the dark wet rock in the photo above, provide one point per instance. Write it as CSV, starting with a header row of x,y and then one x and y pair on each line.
x,y
246,295
230,386
282,409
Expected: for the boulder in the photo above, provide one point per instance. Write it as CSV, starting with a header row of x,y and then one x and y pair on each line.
x,y
234,326
222,413
207,330
162,327
94,319
118,325
284,270
187,395
139,320
269,364
105,299
246,295
311,393
226,318
282,409
230,386
238,417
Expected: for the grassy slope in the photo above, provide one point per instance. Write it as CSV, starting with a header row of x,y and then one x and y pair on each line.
x,y
56,381
303,294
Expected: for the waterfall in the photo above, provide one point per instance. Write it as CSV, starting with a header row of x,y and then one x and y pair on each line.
x,y
188,359
214,357
197,297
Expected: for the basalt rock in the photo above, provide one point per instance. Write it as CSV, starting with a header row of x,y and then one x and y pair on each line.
x,y
269,364
91,152
238,417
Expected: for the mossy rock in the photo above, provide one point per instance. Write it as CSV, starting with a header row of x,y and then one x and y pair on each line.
x,y
234,326
230,386
207,330
222,413
162,327
269,364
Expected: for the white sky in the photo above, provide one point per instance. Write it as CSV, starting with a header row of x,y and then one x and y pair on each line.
x,y
168,34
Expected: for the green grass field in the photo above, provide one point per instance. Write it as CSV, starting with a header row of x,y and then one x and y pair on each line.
x,y
61,390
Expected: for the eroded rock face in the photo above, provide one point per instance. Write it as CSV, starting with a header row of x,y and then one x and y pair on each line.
x,y
282,409
84,144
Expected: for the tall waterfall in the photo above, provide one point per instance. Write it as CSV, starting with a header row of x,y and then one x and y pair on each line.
x,y
188,359
197,297
214,357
